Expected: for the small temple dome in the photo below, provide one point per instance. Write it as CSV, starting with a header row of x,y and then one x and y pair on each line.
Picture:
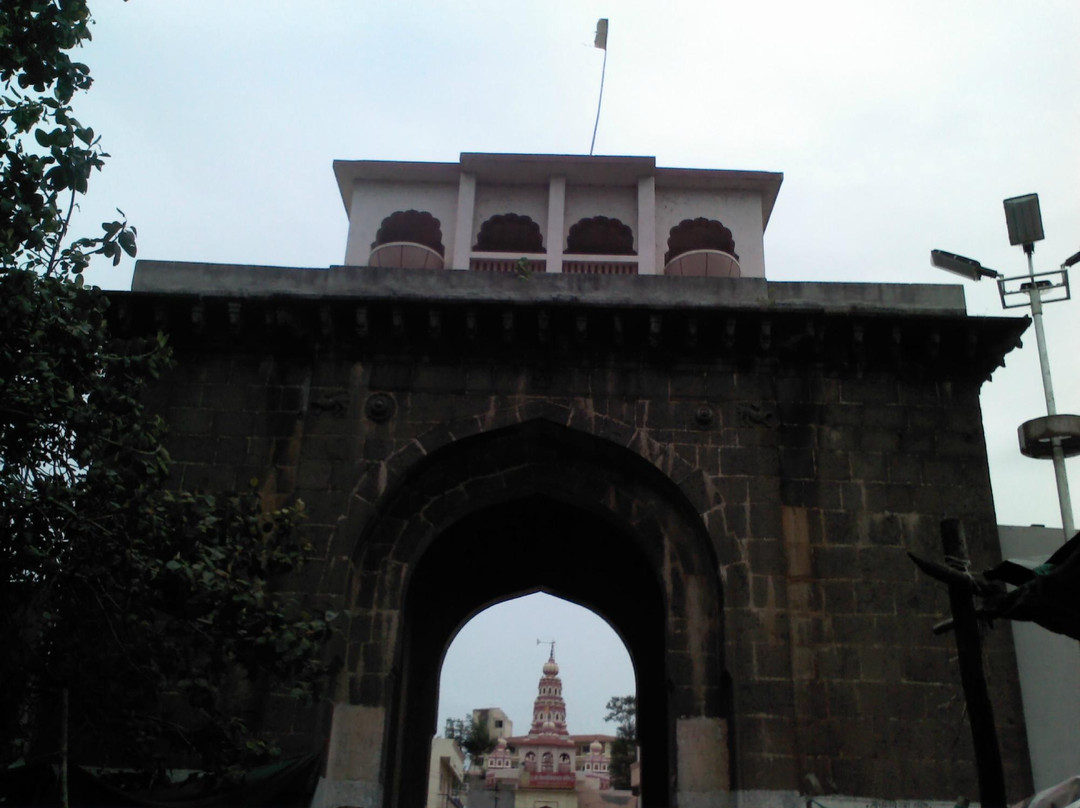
x,y
551,667
596,747
500,744
549,726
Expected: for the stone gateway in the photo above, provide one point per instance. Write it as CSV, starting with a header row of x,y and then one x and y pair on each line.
x,y
733,470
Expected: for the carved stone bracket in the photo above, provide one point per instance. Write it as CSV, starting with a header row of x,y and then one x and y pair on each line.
x,y
335,404
752,414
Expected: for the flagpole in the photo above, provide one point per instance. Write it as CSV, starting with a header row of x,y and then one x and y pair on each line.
x,y
600,42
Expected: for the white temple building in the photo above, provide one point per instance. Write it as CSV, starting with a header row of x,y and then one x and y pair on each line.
x,y
549,760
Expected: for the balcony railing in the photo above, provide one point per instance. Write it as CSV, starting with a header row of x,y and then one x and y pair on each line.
x,y
405,255
506,262
601,264
704,264
571,264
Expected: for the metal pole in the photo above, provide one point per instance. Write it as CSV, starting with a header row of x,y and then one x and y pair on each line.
x,y
980,710
1064,500
603,72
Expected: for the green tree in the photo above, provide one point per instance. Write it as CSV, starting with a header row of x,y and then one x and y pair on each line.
x,y
133,617
472,736
622,710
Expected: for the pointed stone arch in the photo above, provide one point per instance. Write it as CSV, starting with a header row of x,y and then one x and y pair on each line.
x,y
454,512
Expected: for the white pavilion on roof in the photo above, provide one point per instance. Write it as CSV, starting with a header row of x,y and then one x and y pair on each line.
x,y
557,213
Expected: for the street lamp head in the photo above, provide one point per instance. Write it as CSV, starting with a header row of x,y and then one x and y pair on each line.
x,y
958,264
1024,220
1071,260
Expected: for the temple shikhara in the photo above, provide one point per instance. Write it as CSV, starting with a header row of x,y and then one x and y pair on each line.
x,y
548,758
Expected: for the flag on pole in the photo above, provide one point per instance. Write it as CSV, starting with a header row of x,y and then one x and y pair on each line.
x,y
601,34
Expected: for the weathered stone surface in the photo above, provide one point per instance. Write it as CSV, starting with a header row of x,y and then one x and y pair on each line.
x,y
754,552
355,747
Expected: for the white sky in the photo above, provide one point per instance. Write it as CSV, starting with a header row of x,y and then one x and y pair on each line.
x,y
900,127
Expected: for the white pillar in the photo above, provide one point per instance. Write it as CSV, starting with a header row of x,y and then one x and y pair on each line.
x,y
555,223
646,225
463,225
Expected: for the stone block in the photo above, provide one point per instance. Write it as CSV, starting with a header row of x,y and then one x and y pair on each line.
x,y
869,467
840,662
314,475
354,751
767,557
764,515
209,478
766,698
702,756
769,772
772,660
834,562
889,498
331,793
797,463
720,385
854,628
843,701
838,596
962,443
234,423
870,389
794,413
391,376
747,462
439,378
687,384
190,420
874,599
875,439
832,465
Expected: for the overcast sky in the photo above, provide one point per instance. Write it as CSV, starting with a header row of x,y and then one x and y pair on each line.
x,y
899,126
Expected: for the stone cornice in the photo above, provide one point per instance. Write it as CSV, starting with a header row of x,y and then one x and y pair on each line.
x,y
910,329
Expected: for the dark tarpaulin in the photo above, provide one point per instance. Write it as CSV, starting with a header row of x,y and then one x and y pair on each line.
x,y
285,784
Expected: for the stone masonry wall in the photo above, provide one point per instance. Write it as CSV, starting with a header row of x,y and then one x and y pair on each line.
x,y
812,488
813,480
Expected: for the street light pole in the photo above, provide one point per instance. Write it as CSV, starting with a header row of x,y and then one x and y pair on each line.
x,y
1057,452
1054,436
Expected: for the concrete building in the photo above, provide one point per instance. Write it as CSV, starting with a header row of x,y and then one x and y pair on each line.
x,y
1049,669
446,774
497,722
585,352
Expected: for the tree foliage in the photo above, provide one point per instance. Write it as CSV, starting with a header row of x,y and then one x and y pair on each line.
x,y
473,737
151,611
622,710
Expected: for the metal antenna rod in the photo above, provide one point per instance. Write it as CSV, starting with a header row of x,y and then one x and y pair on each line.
x,y
600,42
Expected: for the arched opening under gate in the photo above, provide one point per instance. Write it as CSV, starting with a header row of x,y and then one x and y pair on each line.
x,y
512,549
497,658
537,506
496,661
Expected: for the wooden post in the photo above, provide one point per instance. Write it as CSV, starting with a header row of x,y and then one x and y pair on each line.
x,y
65,719
969,652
